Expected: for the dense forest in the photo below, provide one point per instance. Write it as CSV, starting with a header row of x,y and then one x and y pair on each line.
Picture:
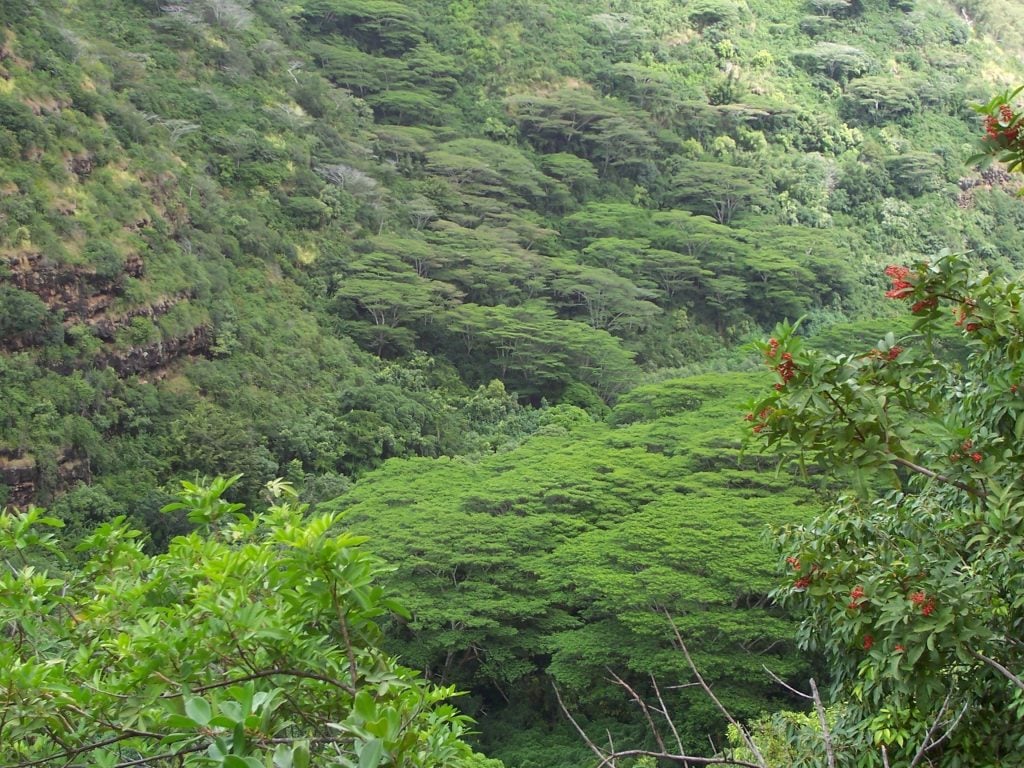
x,y
474,282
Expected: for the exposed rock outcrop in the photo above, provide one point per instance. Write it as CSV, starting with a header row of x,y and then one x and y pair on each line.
x,y
154,358
22,475
991,178
77,292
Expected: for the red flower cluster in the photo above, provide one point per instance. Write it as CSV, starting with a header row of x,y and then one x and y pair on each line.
x,y
972,327
899,648
868,642
900,287
894,352
966,451
802,583
794,562
786,369
762,419
773,348
924,305
856,594
996,128
927,603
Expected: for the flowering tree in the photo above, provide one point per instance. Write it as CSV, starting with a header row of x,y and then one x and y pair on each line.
x,y
914,588
1003,140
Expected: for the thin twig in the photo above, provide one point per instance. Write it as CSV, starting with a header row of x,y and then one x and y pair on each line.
x,y
683,760
643,708
71,753
789,688
165,756
952,727
343,625
980,493
826,735
711,695
583,734
668,719
265,673
926,743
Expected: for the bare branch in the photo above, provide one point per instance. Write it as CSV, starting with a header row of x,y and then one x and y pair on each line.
x,y
926,744
826,735
266,673
952,727
711,695
643,708
980,493
789,688
996,665
583,734
683,760
668,719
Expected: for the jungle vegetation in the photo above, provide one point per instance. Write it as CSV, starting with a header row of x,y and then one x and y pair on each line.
x,y
478,277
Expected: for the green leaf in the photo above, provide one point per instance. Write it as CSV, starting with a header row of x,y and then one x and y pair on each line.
x,y
198,709
283,756
371,753
365,706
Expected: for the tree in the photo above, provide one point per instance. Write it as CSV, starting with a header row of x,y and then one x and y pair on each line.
x,y
604,299
916,593
719,190
23,315
253,645
707,13
835,60
393,296
880,99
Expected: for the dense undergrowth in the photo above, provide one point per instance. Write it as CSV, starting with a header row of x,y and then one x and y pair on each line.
x,y
299,239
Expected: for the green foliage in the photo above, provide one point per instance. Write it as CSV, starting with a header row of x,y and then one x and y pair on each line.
x,y
553,561
253,645
835,60
308,238
225,200
706,13
881,99
22,314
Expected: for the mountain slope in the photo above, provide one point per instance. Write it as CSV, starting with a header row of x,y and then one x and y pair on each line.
x,y
216,215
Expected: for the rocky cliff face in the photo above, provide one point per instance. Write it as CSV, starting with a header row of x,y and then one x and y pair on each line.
x,y
78,295
30,481
153,359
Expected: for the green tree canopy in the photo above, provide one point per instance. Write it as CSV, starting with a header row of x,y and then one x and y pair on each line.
x,y
255,645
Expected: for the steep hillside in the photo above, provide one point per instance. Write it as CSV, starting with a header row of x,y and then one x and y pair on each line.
x,y
478,238
216,216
